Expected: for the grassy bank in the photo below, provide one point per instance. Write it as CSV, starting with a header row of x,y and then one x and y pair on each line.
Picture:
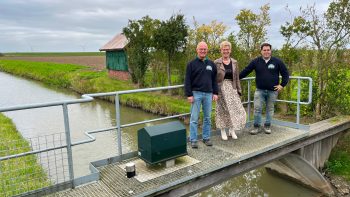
x,y
20,174
83,80
339,161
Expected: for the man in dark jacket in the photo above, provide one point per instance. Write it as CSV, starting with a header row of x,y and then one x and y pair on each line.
x,y
267,70
201,88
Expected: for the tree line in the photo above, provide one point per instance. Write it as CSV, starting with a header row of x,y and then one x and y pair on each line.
x,y
315,45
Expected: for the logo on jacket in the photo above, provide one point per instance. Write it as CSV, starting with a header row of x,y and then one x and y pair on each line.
x,y
209,68
271,66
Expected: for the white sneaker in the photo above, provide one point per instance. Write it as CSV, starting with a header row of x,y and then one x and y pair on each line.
x,y
223,134
267,129
233,134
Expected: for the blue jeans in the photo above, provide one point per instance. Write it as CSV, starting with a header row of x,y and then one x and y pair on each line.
x,y
262,97
204,99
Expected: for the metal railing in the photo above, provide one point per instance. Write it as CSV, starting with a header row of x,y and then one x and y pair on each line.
x,y
68,144
90,97
298,102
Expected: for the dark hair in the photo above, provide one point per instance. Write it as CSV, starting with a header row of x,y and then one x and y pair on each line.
x,y
265,45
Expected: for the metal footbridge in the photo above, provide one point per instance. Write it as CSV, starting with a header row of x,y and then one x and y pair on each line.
x,y
200,169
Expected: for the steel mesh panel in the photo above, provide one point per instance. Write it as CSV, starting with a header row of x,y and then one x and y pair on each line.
x,y
22,174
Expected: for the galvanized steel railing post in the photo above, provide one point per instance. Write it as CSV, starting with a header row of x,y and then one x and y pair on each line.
x,y
248,101
298,102
117,119
310,90
68,141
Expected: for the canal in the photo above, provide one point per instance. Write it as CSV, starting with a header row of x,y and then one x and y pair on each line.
x,y
100,114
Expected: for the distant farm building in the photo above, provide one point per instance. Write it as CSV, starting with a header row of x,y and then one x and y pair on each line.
x,y
116,57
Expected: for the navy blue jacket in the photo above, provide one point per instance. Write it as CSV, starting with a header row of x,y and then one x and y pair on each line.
x,y
267,74
200,76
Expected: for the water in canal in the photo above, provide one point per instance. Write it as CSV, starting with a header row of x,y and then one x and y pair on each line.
x,y
100,114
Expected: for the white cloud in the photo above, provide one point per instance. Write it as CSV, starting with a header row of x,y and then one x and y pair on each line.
x,y
57,25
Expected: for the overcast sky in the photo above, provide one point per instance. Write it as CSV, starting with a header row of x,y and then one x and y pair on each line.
x,y
84,25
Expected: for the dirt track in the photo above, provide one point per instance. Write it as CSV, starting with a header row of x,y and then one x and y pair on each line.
x,y
97,62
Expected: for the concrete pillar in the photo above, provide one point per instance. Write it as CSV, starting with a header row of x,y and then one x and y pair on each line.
x,y
318,153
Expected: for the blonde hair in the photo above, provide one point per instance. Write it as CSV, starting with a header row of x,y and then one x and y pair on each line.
x,y
224,44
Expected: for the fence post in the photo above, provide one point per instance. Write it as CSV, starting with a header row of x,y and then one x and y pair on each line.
x,y
248,101
117,118
298,102
69,143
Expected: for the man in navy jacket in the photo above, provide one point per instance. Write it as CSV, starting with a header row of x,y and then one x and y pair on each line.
x,y
267,70
201,88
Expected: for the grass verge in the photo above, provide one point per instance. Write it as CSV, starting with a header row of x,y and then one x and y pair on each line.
x,y
21,174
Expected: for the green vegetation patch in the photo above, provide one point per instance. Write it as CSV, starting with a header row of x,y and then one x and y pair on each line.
x,y
21,174
50,73
339,160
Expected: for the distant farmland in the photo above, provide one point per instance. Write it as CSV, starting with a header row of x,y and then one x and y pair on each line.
x,y
50,54
92,59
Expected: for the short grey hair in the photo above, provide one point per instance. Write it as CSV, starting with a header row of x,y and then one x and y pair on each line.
x,y
224,44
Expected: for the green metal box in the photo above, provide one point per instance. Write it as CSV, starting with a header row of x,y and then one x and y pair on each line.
x,y
162,142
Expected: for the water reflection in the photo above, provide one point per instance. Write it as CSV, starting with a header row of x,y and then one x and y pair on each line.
x,y
257,183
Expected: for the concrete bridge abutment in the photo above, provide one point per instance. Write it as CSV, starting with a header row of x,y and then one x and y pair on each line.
x,y
304,165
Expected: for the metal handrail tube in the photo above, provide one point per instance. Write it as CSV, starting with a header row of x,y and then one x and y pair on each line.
x,y
154,120
68,141
31,152
298,102
118,122
286,101
54,148
133,91
149,89
89,97
84,99
88,134
92,138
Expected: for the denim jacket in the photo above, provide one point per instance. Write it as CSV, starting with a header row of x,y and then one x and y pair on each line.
x,y
221,74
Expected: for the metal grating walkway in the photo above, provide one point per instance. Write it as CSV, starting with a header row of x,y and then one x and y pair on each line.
x,y
113,181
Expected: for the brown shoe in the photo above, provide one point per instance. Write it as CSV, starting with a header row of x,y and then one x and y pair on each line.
x,y
194,144
207,142
255,131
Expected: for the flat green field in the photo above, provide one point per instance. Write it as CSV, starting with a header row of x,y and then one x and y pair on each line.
x,y
53,54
